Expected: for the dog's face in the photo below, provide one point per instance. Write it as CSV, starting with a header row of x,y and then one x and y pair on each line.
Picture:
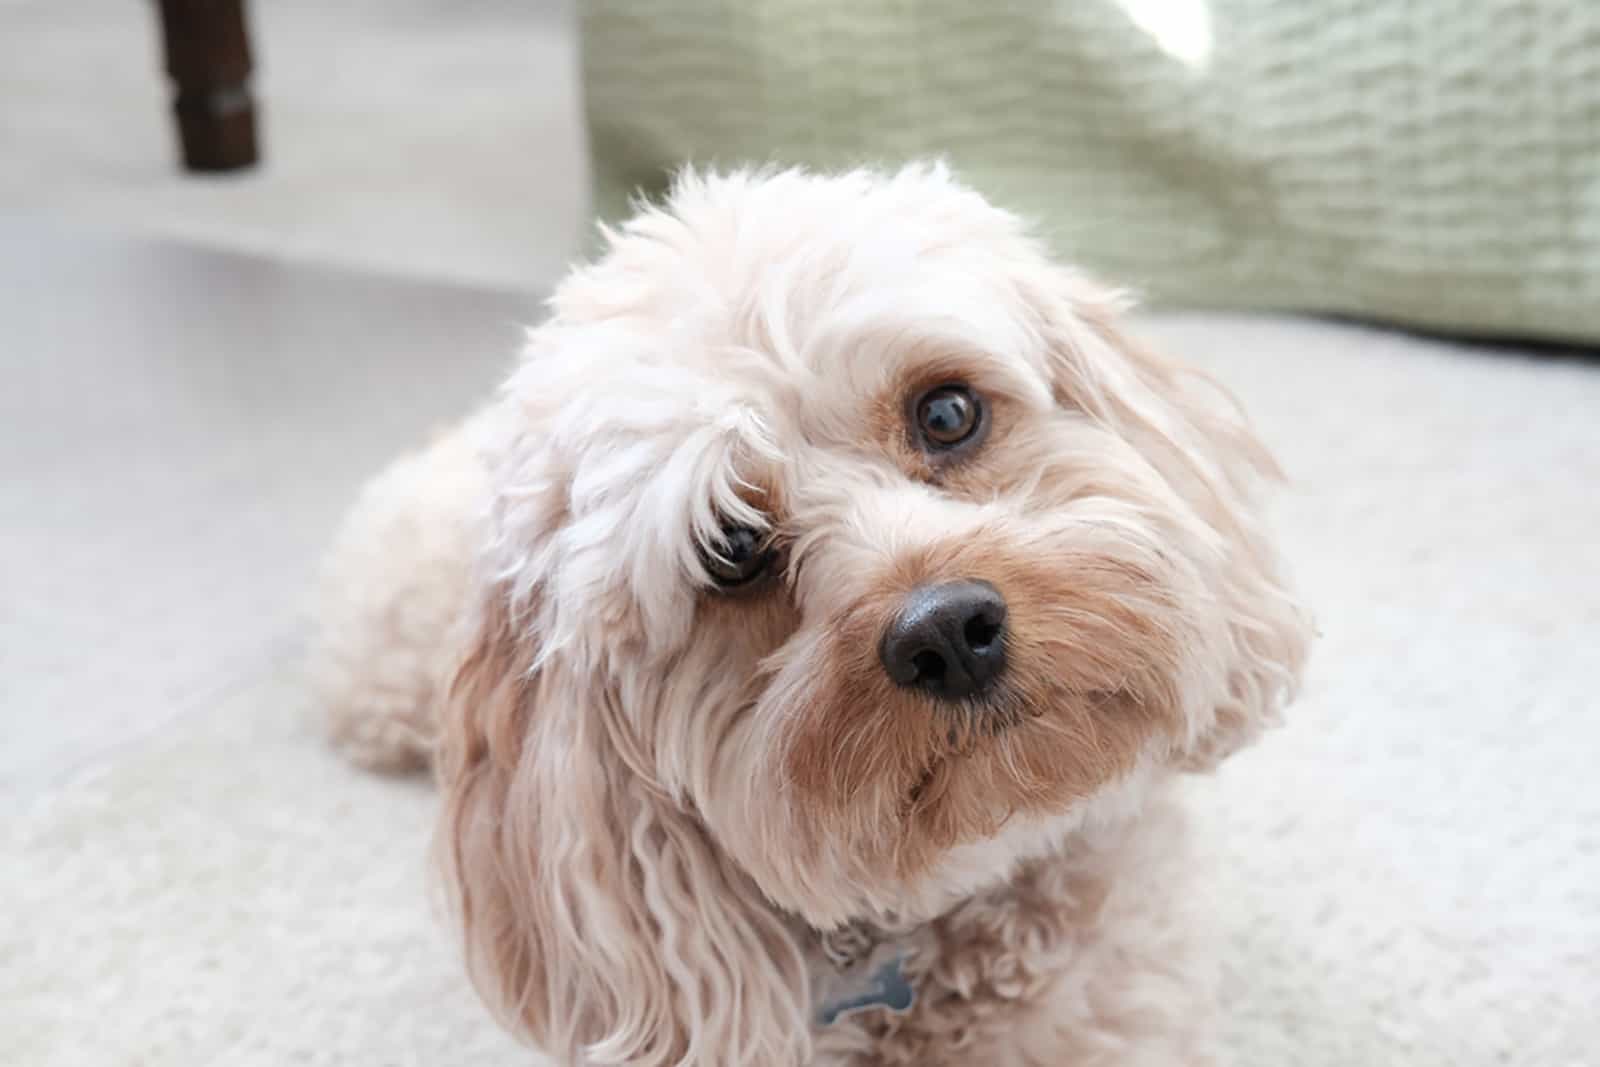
x,y
835,518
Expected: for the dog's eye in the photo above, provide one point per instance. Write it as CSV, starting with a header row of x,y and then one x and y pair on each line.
x,y
742,557
948,416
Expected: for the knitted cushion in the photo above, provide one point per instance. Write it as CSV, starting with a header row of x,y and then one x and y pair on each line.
x,y
1431,162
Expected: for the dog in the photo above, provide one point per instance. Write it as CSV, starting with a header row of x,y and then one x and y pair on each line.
x,y
808,639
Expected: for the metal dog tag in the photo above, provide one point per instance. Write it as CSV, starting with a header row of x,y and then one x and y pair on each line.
x,y
867,985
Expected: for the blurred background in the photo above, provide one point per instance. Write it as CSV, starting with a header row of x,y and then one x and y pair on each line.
x,y
251,250
443,140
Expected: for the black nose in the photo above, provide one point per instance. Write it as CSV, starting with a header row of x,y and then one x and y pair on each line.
x,y
948,640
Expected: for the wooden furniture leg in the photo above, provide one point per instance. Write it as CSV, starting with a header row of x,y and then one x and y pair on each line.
x,y
207,48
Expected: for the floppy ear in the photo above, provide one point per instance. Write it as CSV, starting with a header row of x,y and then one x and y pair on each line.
x,y
599,919
1194,433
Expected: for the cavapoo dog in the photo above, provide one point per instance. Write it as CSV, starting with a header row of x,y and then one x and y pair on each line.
x,y
808,638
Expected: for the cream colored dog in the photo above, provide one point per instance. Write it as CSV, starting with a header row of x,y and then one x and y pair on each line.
x,y
810,633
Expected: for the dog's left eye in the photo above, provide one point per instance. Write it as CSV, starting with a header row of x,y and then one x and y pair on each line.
x,y
743,556
948,417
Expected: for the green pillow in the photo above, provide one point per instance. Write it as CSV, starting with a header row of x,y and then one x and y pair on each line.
x,y
1428,162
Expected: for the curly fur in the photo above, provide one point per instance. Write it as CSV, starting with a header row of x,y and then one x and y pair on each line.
x,y
657,796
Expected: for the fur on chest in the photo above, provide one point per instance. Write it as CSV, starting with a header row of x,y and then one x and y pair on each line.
x,y
953,985
1086,961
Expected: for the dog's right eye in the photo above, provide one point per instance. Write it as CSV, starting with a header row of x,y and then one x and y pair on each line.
x,y
743,556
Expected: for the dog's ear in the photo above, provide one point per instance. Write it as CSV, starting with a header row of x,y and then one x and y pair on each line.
x,y
1195,435
599,919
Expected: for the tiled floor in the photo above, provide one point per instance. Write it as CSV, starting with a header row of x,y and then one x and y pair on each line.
x,y
181,430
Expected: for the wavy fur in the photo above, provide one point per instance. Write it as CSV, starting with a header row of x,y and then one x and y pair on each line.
x,y
656,796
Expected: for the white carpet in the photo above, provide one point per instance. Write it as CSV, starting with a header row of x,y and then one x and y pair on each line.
x,y
1408,873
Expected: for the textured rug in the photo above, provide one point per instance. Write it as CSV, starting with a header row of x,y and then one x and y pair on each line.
x,y
1408,873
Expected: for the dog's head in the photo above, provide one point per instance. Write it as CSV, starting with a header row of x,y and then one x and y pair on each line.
x,y
844,554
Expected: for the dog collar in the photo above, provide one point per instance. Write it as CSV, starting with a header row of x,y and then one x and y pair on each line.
x,y
863,969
